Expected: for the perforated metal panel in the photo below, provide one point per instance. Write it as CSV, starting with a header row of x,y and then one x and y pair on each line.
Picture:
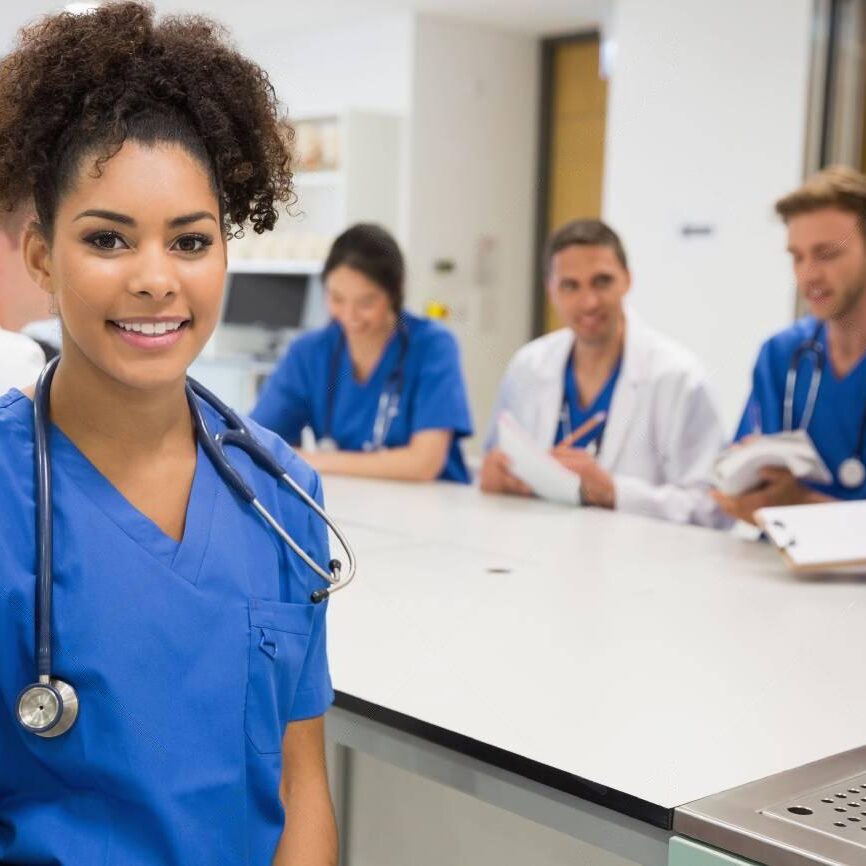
x,y
839,810
812,815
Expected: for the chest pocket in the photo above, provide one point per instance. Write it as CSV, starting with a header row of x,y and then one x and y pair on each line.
x,y
279,639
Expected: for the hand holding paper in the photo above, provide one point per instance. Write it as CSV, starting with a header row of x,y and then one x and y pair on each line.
x,y
738,469
596,484
538,468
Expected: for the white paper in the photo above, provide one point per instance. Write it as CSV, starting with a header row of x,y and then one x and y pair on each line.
x,y
738,469
822,534
535,466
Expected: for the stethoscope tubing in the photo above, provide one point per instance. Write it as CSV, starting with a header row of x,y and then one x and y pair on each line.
x,y
815,348
236,435
389,400
239,437
45,523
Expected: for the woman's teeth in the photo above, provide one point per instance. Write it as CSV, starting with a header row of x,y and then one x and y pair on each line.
x,y
150,329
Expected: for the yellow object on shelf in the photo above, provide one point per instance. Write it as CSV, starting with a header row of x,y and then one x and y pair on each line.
x,y
437,310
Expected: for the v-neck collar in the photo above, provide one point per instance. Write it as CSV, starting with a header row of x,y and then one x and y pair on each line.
x,y
572,394
377,373
855,373
183,557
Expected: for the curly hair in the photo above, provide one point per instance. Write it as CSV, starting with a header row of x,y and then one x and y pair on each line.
x,y
80,85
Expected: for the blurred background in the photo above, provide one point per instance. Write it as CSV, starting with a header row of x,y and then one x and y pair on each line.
x,y
470,129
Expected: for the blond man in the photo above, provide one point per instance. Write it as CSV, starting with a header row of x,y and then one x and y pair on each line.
x,y
812,375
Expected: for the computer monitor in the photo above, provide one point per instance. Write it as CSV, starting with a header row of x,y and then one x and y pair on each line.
x,y
271,301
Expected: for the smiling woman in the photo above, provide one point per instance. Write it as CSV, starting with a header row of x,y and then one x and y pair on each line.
x,y
190,639
151,265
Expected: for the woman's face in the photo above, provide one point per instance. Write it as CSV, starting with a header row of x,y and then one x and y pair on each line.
x,y
136,264
360,305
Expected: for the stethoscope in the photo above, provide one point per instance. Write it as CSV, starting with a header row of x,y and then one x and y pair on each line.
x,y
593,447
851,472
49,707
388,407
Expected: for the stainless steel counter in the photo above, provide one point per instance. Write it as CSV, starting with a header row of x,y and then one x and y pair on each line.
x,y
815,814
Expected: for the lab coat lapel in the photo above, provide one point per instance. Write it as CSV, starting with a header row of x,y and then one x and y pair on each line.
x,y
551,386
626,395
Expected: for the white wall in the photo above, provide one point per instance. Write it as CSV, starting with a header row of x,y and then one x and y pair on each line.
x,y
366,66
706,125
472,170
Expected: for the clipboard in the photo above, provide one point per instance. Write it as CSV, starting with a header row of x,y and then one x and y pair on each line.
x,y
826,536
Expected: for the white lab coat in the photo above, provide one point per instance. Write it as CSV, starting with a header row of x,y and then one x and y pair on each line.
x,y
663,429
21,361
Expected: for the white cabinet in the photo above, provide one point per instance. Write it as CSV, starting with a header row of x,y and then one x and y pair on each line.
x,y
348,172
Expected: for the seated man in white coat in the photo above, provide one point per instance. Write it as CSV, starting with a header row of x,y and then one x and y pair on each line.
x,y
619,404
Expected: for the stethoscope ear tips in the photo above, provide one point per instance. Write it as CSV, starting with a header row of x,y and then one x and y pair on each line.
x,y
335,567
47,709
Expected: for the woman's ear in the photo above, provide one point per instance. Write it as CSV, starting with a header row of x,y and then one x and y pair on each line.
x,y
37,256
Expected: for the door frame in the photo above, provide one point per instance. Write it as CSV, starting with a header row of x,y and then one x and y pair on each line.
x,y
545,135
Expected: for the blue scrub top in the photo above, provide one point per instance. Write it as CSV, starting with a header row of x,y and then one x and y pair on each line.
x,y
578,414
189,659
433,395
835,424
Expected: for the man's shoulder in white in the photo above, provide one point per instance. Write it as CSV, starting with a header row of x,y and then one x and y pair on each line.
x,y
21,360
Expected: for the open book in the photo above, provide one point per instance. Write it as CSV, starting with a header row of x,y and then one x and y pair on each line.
x,y
534,465
828,535
738,468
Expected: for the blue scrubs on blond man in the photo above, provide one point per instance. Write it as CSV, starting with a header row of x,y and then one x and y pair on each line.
x,y
837,423
811,376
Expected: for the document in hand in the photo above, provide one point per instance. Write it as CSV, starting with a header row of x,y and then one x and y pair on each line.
x,y
818,537
738,469
534,466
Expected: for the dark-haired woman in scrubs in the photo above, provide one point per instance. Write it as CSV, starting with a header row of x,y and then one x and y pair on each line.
x,y
381,389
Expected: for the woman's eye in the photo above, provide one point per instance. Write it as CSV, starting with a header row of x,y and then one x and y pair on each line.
x,y
107,241
193,243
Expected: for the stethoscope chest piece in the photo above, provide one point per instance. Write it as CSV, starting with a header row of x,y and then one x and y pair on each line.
x,y
852,473
48,709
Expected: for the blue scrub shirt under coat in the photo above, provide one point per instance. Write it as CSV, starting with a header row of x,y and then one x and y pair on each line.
x,y
433,395
839,408
578,414
189,658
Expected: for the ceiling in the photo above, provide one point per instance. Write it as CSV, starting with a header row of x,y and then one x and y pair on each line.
x,y
258,18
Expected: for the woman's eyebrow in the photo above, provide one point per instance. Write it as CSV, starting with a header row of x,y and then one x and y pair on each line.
x,y
186,219
107,215
126,220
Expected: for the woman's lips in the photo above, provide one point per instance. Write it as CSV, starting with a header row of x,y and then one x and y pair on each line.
x,y
149,342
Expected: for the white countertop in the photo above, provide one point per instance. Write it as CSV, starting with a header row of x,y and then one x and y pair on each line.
x,y
665,662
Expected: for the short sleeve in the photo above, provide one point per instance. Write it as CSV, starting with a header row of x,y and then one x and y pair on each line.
x,y
750,419
759,414
315,693
440,401
284,405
